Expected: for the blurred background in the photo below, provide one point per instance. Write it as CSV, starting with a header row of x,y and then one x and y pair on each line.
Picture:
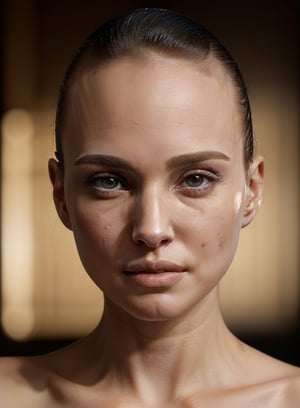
x,y
46,298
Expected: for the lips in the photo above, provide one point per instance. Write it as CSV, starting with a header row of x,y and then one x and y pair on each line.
x,y
162,274
153,267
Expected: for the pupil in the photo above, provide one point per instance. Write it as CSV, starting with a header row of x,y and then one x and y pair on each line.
x,y
109,182
194,180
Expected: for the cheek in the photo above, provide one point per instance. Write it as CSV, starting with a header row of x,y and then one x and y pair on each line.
x,y
95,237
228,228
215,230
94,231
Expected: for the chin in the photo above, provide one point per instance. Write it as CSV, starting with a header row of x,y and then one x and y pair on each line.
x,y
155,308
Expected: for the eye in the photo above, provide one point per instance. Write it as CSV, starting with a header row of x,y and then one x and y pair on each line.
x,y
195,180
105,183
197,183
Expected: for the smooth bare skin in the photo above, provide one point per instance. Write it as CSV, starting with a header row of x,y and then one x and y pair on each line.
x,y
154,171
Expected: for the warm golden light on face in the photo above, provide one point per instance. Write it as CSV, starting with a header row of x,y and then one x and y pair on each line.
x,y
45,292
39,260
238,199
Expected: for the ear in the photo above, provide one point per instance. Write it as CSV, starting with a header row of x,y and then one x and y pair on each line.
x,y
254,189
57,180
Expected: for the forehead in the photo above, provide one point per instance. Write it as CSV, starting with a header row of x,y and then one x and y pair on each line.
x,y
154,94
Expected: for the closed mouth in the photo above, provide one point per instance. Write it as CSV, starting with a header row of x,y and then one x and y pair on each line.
x,y
146,267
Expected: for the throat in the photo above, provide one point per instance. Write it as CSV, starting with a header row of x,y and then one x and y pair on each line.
x,y
153,360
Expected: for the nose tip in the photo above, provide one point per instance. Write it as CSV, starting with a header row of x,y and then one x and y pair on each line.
x,y
151,222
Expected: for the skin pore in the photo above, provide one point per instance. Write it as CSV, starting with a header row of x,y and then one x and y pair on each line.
x,y
156,191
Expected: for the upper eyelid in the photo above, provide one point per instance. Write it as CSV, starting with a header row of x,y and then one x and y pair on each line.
x,y
174,164
125,175
98,175
133,180
208,173
105,174
202,171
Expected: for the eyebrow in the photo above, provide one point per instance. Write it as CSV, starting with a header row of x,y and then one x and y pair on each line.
x,y
106,160
178,161
198,157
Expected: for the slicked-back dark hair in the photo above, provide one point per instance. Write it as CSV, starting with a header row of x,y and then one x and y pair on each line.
x,y
161,31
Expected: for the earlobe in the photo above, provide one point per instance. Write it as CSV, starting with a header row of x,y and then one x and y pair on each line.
x,y
56,177
254,189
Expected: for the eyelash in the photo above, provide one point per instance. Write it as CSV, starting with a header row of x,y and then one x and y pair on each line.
x,y
107,192
207,178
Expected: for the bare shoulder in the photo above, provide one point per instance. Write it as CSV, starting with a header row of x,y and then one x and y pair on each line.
x,y
275,380
10,379
20,381
292,387
9,371
284,390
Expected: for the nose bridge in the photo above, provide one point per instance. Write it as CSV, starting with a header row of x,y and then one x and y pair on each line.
x,y
151,221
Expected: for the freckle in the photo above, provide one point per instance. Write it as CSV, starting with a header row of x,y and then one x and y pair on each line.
x,y
203,245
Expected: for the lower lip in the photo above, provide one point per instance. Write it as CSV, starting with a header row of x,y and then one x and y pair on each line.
x,y
155,280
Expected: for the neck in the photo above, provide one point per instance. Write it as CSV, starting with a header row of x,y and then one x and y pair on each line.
x,y
158,358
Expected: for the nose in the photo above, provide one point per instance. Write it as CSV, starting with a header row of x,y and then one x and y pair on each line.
x,y
151,222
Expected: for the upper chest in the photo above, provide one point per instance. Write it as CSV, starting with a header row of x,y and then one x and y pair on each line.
x,y
256,397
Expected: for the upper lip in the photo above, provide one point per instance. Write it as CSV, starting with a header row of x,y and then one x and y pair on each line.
x,y
153,267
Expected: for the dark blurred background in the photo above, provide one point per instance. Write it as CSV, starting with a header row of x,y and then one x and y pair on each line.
x,y
39,37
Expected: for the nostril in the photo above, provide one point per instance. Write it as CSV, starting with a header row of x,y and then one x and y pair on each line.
x,y
152,242
147,242
141,242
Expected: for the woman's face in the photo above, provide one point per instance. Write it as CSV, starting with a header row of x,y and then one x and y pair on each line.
x,y
154,186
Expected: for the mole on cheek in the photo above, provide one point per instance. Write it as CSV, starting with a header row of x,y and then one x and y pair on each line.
x,y
203,245
220,241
